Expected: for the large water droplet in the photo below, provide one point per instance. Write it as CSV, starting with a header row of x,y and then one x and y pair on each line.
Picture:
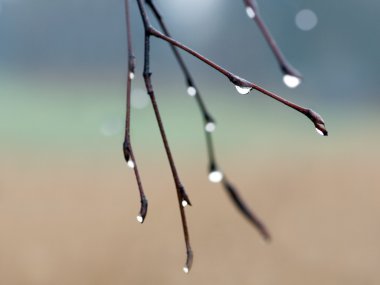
x,y
215,176
319,132
140,219
210,127
291,81
185,269
250,12
130,163
131,75
243,90
191,91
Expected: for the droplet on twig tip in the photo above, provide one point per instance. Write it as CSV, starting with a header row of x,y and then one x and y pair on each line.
x,y
185,269
319,132
291,81
140,219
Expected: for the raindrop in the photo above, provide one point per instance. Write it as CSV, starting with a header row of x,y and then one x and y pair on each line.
x,y
184,203
210,127
191,91
131,75
140,219
319,132
306,20
185,269
243,90
250,12
215,176
291,81
130,163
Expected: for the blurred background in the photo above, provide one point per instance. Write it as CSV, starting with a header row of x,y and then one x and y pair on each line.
x,y
68,201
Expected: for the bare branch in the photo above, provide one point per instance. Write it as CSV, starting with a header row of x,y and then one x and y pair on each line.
x,y
183,199
234,195
127,147
292,77
244,86
209,126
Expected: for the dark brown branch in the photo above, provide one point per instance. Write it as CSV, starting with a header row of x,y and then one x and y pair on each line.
x,y
127,147
244,84
242,207
292,77
209,124
183,199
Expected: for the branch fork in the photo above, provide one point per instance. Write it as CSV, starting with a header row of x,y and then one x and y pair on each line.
x,y
291,78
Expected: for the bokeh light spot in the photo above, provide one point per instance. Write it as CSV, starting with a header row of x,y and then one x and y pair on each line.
x,y
306,20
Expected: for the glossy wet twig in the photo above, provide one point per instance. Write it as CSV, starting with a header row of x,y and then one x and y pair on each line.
x,y
183,199
243,86
287,69
127,146
208,121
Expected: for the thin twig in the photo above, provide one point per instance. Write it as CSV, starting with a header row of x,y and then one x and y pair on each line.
x,y
233,194
253,13
183,199
127,147
243,83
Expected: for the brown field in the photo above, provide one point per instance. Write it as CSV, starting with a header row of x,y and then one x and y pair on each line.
x,y
68,217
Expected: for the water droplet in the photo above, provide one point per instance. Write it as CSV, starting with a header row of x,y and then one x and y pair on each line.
x,y
210,127
184,203
243,90
319,132
291,81
131,75
140,219
215,176
191,91
250,12
130,163
185,269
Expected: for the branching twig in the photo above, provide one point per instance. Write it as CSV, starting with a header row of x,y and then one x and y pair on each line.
x,y
243,86
183,199
292,77
209,126
127,147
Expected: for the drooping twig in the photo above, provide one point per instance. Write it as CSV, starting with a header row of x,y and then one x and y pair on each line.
x,y
127,146
183,199
291,76
244,86
215,175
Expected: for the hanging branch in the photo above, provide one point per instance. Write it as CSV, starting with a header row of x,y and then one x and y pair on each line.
x,y
215,175
127,147
243,86
183,199
291,76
